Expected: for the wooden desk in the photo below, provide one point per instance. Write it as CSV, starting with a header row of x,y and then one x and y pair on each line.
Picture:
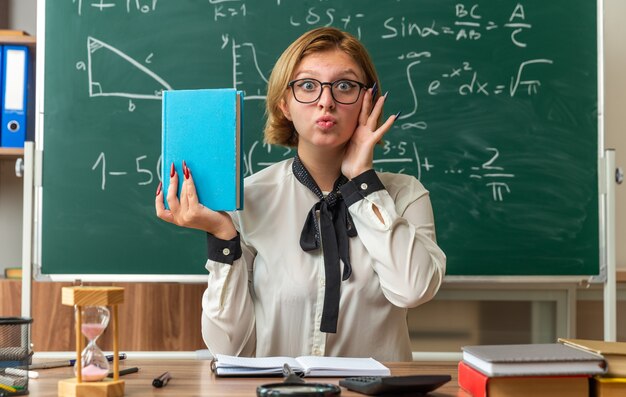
x,y
194,378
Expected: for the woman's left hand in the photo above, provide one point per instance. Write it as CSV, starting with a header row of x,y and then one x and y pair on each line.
x,y
359,154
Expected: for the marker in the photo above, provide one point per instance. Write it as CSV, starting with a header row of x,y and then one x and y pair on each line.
x,y
67,363
22,372
162,380
125,371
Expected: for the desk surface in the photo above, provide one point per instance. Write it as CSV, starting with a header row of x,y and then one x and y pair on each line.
x,y
194,378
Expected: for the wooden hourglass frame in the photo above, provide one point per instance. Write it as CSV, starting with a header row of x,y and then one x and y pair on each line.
x,y
79,297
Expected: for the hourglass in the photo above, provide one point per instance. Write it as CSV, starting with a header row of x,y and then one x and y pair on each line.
x,y
94,364
92,317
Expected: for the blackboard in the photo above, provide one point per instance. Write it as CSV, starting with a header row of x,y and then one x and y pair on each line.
x,y
500,122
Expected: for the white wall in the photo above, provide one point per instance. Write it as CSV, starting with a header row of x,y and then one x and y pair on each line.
x,y
19,15
22,15
615,107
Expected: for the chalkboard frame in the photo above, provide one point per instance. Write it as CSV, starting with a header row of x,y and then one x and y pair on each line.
x,y
201,278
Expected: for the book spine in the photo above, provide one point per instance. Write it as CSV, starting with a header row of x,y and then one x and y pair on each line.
x,y
472,381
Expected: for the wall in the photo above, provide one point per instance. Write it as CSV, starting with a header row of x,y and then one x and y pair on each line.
x,y
4,13
11,194
19,15
22,15
615,103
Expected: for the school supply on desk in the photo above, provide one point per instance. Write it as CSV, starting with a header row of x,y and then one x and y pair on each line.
x,y
479,384
387,385
124,371
14,95
21,372
614,353
225,365
293,385
15,352
68,363
608,387
204,129
13,380
162,380
533,359
1,80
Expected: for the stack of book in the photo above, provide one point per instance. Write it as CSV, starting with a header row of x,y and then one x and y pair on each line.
x,y
538,370
613,382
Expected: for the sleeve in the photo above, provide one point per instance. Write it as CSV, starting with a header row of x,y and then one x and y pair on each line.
x,y
228,322
409,263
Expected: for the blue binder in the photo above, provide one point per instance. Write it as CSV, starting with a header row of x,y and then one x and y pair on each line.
x,y
14,95
1,90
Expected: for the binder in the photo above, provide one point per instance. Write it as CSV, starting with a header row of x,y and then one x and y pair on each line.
x,y
1,90
14,95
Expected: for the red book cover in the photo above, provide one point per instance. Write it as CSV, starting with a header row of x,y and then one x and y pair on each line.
x,y
472,381
479,384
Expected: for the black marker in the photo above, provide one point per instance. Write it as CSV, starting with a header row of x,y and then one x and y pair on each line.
x,y
125,371
162,380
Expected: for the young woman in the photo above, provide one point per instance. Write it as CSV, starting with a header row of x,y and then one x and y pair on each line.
x,y
327,254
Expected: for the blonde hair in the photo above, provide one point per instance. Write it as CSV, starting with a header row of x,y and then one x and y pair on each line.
x,y
278,129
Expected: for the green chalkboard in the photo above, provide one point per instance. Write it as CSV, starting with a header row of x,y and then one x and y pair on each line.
x,y
499,122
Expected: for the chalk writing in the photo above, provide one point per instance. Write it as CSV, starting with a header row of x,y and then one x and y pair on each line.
x,y
141,175
108,82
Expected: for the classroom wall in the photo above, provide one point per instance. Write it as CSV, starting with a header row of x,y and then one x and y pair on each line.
x,y
21,14
615,106
4,14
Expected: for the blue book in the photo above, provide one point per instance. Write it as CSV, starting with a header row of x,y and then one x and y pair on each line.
x,y
204,128
14,95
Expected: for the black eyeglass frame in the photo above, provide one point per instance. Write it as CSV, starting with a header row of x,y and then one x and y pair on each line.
x,y
330,84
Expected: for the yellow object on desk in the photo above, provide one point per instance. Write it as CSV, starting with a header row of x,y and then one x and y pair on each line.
x,y
90,381
609,387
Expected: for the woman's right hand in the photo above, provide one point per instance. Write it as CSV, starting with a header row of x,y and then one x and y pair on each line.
x,y
188,212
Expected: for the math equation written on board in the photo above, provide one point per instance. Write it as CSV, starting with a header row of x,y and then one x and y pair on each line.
x,y
488,173
464,22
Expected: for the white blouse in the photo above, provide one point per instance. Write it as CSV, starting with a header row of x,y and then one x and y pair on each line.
x,y
268,301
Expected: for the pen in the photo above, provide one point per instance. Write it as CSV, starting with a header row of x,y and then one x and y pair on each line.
x,y
67,363
162,380
125,371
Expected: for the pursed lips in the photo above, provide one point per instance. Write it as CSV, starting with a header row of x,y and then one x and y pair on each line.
x,y
326,122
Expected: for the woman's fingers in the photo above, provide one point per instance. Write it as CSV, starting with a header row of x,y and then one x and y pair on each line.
x,y
377,110
184,202
366,106
386,126
190,204
172,190
191,193
159,205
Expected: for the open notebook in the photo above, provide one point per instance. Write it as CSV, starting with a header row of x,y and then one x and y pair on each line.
x,y
225,365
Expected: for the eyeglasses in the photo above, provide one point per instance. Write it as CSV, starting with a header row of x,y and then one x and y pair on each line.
x,y
343,91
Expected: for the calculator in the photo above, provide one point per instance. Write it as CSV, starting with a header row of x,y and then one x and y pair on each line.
x,y
373,385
